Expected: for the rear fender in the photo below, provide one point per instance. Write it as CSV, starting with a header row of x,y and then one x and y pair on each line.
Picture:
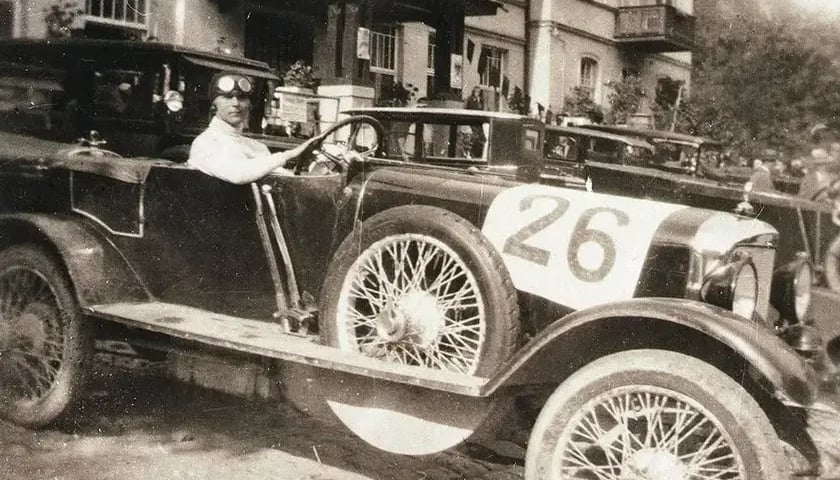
x,y
709,333
97,270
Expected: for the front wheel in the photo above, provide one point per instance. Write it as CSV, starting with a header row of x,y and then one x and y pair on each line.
x,y
655,415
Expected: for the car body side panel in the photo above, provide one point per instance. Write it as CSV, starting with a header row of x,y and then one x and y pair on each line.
x,y
557,349
201,246
99,272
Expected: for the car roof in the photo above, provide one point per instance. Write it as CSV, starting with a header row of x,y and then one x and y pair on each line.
x,y
127,48
654,134
636,142
435,111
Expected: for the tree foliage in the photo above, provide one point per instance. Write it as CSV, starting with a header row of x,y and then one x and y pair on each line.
x,y
762,78
625,99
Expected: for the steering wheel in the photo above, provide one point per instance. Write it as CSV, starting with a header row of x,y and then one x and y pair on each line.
x,y
339,161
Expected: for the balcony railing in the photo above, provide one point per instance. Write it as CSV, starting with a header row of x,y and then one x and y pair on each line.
x,y
656,28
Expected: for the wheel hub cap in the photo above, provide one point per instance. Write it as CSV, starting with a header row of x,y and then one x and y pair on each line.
x,y
416,318
652,464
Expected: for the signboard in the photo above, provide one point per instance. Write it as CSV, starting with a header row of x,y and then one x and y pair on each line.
x,y
291,107
363,44
456,71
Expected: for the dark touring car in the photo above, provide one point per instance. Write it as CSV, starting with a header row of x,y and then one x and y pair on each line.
x,y
398,293
144,98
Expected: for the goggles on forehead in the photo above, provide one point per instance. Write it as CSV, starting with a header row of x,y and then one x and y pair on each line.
x,y
228,84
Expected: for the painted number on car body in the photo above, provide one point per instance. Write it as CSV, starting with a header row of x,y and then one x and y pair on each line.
x,y
576,248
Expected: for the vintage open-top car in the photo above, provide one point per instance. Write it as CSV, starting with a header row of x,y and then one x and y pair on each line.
x,y
401,293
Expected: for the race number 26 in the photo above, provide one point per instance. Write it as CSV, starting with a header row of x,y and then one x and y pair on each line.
x,y
582,237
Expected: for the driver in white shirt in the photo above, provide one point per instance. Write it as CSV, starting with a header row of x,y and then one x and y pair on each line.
x,y
222,151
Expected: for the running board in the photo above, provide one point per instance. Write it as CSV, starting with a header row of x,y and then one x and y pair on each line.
x,y
269,340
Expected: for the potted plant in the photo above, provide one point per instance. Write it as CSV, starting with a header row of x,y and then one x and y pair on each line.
x,y
299,78
396,94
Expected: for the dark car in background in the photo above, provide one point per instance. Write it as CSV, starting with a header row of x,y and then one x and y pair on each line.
x,y
569,149
144,98
695,155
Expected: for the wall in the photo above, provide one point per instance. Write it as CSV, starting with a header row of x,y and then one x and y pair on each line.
x,y
562,32
198,24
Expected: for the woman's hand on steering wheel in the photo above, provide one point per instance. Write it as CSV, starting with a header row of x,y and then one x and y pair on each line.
x,y
344,158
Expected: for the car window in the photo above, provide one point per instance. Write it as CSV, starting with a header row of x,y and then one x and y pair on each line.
x,y
604,150
28,98
532,139
561,147
463,141
400,138
116,93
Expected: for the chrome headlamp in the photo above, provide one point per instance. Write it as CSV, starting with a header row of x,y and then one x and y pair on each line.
x,y
791,292
733,286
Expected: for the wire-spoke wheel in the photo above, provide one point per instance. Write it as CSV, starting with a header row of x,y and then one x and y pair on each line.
x,y
411,299
41,338
652,415
420,286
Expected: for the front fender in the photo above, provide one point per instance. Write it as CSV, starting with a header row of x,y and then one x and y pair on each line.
x,y
97,270
705,331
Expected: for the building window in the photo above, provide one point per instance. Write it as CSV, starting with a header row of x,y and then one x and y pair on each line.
x,y
383,49
589,74
121,13
491,65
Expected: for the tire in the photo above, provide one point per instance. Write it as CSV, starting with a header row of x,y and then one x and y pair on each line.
x,y
44,339
831,265
640,379
400,321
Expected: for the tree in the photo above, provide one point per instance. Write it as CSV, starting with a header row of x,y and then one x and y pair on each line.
x,y
762,76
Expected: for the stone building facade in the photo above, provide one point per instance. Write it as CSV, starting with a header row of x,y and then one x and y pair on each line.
x,y
545,48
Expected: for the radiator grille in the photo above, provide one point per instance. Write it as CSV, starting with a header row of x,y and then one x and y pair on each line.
x,y
763,258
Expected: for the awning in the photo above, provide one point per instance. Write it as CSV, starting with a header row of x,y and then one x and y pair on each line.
x,y
250,70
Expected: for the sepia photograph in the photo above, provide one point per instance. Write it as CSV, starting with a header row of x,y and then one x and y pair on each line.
x,y
419,239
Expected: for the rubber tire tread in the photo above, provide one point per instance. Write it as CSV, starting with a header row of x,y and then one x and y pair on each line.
x,y
502,332
746,423
62,402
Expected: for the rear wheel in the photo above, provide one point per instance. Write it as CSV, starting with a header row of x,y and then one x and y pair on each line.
x,y
44,341
655,415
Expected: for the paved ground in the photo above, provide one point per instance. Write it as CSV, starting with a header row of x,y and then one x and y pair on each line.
x,y
151,428
147,427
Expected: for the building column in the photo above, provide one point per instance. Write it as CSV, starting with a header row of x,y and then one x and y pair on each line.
x,y
546,65
449,28
343,76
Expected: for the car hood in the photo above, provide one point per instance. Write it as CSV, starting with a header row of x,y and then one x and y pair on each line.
x,y
582,249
